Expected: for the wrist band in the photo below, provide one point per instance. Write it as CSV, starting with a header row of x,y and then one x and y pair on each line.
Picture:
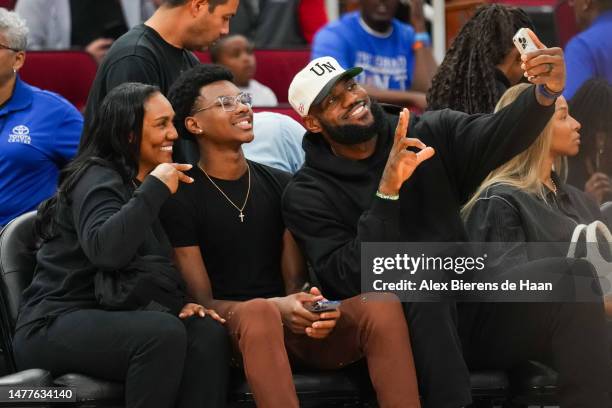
x,y
386,196
547,93
424,37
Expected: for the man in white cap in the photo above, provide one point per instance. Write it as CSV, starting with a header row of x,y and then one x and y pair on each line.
x,y
360,184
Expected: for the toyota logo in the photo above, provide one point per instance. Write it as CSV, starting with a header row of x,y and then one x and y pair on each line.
x,y
21,130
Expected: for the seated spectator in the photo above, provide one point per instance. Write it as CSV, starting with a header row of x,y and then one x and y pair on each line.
x,y
360,184
591,169
92,25
396,58
40,130
277,142
236,53
481,63
279,23
589,53
525,201
102,227
236,255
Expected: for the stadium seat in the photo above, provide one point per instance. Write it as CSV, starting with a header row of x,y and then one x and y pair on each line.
x,y
18,246
346,388
8,4
275,68
68,73
565,22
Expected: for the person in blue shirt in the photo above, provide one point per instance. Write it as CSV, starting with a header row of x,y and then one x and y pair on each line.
x,y
589,53
39,130
396,58
277,142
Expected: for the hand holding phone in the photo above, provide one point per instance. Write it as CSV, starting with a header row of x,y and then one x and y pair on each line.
x,y
523,42
322,306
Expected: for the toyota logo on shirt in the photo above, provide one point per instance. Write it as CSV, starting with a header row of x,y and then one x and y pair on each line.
x,y
20,134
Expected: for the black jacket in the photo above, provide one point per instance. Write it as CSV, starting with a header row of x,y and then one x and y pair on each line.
x,y
331,208
106,226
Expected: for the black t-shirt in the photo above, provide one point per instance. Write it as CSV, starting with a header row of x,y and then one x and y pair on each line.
x,y
141,55
93,19
242,258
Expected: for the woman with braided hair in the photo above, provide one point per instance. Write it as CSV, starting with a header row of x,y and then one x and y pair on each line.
x,y
481,63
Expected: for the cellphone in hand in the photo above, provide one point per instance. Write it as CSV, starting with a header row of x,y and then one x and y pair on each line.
x,y
523,42
322,306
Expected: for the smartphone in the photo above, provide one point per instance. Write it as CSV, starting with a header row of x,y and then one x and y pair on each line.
x,y
523,42
322,306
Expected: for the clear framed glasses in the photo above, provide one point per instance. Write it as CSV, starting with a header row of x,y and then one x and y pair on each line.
x,y
229,103
6,47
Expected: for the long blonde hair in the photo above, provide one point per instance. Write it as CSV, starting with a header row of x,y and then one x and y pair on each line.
x,y
523,171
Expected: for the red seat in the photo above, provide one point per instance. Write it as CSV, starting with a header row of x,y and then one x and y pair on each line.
x,y
8,4
275,68
69,73
565,20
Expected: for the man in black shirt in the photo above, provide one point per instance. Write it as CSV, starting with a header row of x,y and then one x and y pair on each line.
x,y
157,51
232,247
354,188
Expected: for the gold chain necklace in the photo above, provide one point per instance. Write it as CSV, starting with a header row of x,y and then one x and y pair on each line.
x,y
554,185
240,209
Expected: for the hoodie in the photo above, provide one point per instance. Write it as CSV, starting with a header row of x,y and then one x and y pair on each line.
x,y
331,208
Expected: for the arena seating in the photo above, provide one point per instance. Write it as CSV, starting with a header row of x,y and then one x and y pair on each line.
x,y
69,73
275,68
8,4
565,22
323,389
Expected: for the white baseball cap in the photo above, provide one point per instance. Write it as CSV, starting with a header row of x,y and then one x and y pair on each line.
x,y
313,83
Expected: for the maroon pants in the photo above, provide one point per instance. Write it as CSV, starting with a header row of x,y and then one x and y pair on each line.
x,y
371,326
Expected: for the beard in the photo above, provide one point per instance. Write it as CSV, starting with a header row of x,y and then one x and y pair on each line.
x,y
355,134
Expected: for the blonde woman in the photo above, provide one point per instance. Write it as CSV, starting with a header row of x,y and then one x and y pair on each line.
x,y
525,201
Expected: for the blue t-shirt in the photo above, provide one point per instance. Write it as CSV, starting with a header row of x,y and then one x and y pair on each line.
x,y
277,142
589,54
387,59
39,134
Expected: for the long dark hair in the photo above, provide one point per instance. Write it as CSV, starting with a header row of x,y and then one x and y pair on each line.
x,y
591,105
466,79
113,140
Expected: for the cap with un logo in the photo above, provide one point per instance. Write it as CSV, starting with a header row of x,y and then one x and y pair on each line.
x,y
313,83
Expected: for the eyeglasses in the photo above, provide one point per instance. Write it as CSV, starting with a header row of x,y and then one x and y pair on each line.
x,y
230,103
6,47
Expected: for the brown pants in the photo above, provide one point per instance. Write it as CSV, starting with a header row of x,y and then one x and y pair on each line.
x,y
371,326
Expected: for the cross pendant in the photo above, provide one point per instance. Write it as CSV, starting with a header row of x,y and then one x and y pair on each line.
x,y
241,216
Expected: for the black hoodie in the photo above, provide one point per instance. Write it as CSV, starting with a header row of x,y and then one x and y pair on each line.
x,y
330,205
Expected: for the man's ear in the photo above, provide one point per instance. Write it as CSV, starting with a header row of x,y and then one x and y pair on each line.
x,y
312,124
19,60
196,6
192,126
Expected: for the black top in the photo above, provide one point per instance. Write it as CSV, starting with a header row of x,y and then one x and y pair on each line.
x,y
330,205
93,19
243,259
141,55
508,215
106,227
